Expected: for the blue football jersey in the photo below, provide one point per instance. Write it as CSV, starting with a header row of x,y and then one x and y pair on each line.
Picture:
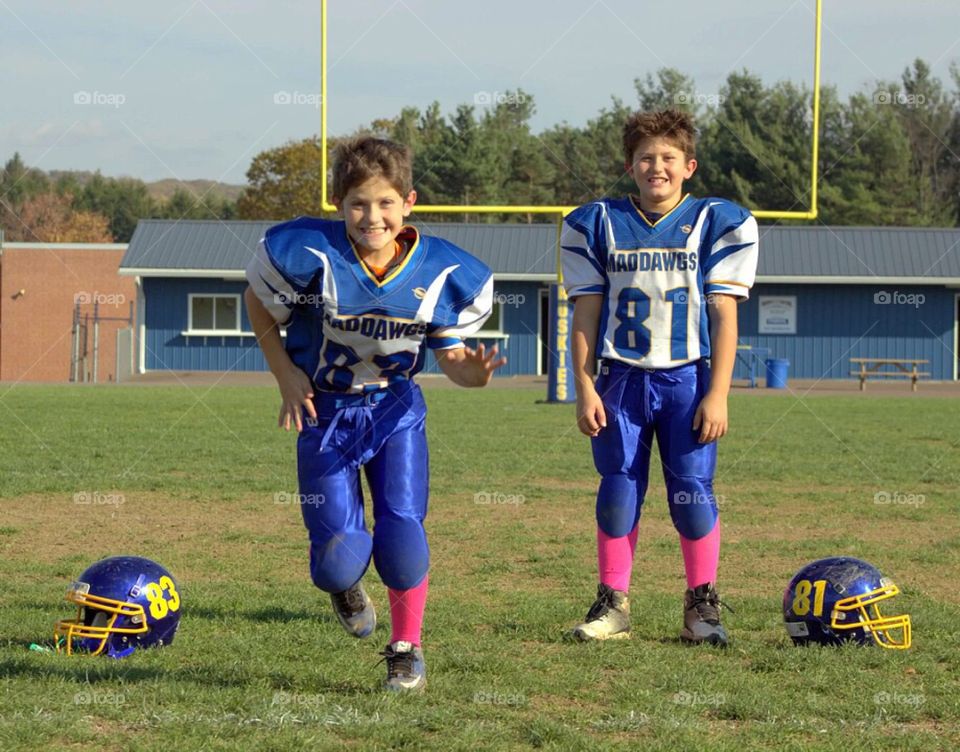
x,y
348,330
655,276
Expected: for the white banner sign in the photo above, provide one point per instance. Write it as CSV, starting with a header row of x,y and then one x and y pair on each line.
x,y
778,314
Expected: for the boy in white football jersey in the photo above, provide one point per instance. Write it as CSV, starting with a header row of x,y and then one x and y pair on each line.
x,y
655,278
361,299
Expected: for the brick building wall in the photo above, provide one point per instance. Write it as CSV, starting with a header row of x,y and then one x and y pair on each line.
x,y
40,284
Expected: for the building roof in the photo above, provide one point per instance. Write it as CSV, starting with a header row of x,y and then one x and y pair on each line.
x,y
814,254
161,247
867,254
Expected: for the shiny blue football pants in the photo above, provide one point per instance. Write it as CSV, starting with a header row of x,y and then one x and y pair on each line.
x,y
383,432
641,404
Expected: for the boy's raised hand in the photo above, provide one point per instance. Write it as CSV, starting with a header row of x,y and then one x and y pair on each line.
x,y
465,366
296,393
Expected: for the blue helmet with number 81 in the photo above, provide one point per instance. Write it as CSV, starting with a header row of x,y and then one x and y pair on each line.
x,y
124,603
836,600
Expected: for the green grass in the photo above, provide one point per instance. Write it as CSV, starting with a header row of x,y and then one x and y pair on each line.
x,y
191,477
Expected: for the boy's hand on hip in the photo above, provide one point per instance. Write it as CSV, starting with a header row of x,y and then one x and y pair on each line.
x,y
296,393
711,417
591,417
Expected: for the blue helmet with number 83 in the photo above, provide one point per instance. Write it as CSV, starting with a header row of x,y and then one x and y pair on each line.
x,y
836,600
124,603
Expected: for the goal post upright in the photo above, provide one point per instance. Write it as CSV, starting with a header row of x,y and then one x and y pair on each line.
x,y
563,310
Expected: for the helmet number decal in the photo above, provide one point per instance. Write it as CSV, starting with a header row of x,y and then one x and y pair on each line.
x,y
160,605
801,597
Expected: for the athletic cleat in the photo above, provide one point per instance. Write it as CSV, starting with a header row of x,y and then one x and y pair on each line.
x,y
701,617
354,611
406,671
608,617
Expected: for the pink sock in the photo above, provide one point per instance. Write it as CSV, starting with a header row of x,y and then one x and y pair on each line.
x,y
615,558
406,612
701,557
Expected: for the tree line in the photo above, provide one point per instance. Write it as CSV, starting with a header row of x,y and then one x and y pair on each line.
x,y
888,156
39,207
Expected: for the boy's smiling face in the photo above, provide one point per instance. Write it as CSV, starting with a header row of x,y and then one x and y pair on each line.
x,y
374,213
659,168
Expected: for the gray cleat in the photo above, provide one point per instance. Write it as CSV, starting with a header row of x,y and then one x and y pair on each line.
x,y
406,670
608,617
354,611
701,617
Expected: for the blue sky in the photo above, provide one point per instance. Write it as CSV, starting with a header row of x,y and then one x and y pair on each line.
x,y
195,88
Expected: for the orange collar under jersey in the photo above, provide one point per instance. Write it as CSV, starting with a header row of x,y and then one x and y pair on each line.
x,y
405,240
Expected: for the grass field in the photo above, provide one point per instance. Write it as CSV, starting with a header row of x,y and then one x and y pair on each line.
x,y
191,477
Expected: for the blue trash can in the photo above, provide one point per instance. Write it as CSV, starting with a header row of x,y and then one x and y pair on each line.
x,y
777,373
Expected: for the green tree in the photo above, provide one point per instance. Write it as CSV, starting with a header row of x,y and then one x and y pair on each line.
x,y
284,182
19,182
124,201
865,164
755,149
927,113
672,89
185,205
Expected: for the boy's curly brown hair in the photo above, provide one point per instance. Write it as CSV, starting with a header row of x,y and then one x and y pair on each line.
x,y
358,159
674,125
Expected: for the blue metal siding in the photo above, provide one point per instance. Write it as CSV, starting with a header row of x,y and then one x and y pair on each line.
x,y
167,316
839,322
834,323
520,302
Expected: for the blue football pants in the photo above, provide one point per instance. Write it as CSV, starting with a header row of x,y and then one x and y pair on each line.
x,y
641,404
383,432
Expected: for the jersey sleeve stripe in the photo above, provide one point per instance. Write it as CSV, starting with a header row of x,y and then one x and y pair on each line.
x,y
439,342
471,318
585,254
270,286
734,289
573,292
719,255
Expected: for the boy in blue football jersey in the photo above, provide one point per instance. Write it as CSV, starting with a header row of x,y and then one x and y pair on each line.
x,y
656,278
360,298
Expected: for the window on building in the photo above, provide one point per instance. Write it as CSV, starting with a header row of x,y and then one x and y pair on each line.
x,y
495,322
215,313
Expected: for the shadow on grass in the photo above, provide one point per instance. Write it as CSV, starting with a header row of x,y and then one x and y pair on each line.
x,y
276,614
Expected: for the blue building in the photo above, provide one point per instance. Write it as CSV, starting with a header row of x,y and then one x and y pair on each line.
x,y
823,295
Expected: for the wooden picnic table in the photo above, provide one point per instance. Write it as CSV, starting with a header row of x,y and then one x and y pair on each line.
x,y
903,368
